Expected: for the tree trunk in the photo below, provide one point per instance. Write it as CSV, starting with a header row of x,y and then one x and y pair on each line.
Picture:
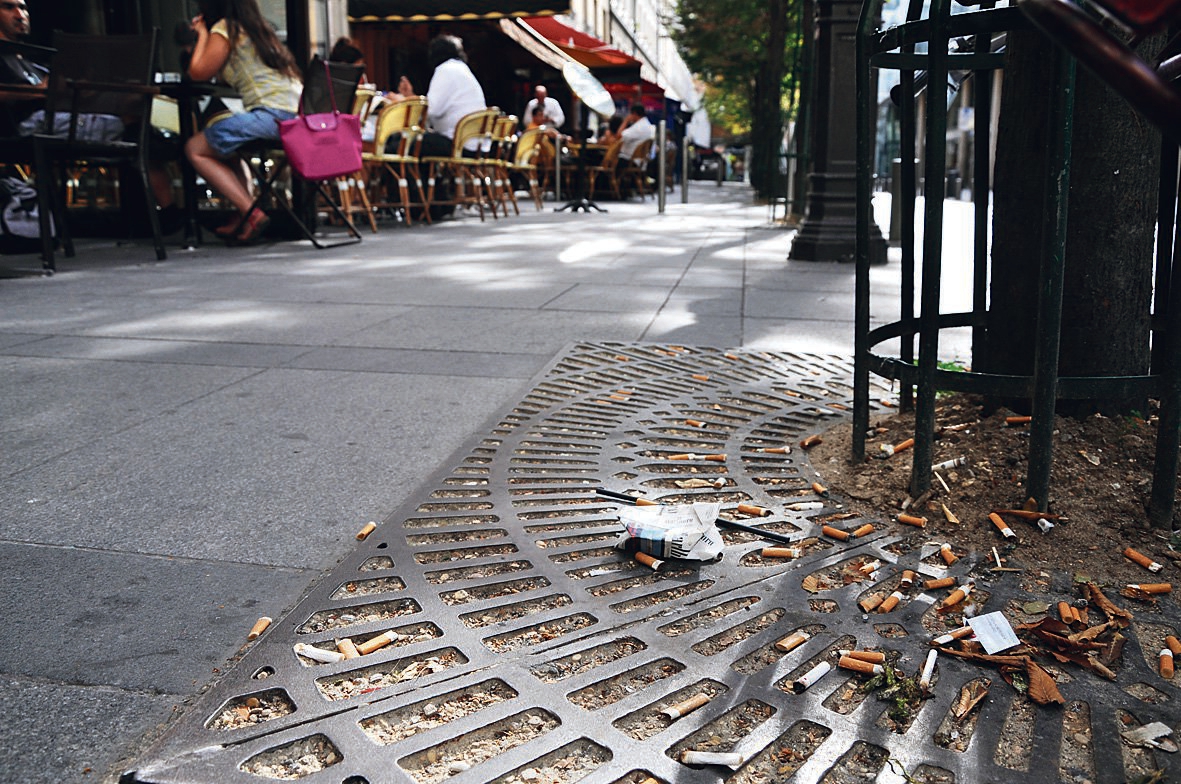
x,y
1110,229
767,114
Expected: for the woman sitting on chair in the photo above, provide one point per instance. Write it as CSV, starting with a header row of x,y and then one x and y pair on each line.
x,y
241,47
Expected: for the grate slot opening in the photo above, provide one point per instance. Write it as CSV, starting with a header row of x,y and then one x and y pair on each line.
x,y
407,721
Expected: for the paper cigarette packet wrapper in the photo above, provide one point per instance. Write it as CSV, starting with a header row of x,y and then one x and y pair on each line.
x,y
686,531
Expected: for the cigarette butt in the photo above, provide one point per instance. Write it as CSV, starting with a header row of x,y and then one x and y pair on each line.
x,y
890,602
858,665
835,533
617,396
695,423
958,634
646,502
870,603
1018,420
625,392
792,641
375,643
775,450
728,758
874,657
1173,644
686,707
622,358
1166,663
781,552
755,511
948,556
649,560
1066,612
908,577
1151,588
811,441
701,377
947,465
685,456
720,458
347,647
820,489
918,522
869,567
801,684
318,654
730,356
1001,525
805,506
1079,616
928,670
1142,559
942,582
258,628
864,530
902,446
1045,525
957,596
369,528
947,514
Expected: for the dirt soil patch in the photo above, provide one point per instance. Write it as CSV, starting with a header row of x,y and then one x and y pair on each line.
x,y
1101,480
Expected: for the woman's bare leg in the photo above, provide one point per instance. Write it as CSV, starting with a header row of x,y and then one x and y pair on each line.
x,y
225,178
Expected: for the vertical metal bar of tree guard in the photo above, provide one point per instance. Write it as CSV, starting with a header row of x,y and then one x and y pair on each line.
x,y
866,102
935,173
661,164
1167,364
1166,215
685,171
908,133
1049,307
981,193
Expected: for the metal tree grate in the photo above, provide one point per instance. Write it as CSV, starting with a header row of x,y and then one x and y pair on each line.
x,y
526,648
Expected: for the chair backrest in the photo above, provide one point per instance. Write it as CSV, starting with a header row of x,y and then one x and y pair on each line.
x,y
528,146
404,117
611,157
476,126
317,98
364,101
642,152
110,75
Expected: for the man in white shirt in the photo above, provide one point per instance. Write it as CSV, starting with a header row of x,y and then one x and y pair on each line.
x,y
453,93
555,117
635,130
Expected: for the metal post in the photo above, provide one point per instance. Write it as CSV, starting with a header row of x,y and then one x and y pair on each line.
x,y
685,171
661,164
558,169
722,168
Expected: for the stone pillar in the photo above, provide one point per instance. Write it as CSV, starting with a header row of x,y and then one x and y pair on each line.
x,y
829,229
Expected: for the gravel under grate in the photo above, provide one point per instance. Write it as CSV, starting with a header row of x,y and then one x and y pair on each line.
x,y
525,648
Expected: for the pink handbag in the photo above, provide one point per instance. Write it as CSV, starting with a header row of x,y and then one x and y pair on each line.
x,y
322,146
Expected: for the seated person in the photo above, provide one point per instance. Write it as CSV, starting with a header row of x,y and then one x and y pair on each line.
x,y
635,130
610,132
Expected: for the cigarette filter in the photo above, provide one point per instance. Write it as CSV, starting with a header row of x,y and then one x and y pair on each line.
x,y
347,647
864,530
685,456
781,552
775,450
908,576
859,665
258,628
375,643
1142,559
952,636
947,465
805,506
648,560
948,556
811,441
918,522
902,446
369,528
1151,587
1166,663
1173,644
957,596
728,758
809,678
695,423
928,670
942,582
1018,420
701,377
890,603
819,489
792,641
751,509
1066,612
686,707
870,603
835,533
873,657
869,567
719,458
1001,525
318,654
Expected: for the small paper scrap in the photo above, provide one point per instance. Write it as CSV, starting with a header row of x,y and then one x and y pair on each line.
x,y
994,632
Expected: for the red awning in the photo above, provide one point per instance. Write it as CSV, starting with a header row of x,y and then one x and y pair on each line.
x,y
583,48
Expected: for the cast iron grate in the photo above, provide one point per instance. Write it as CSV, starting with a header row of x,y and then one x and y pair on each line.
x,y
527,649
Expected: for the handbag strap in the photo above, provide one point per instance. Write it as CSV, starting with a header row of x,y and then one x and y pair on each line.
x,y
331,90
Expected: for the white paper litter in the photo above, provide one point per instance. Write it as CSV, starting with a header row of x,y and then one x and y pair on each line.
x,y
994,632
674,531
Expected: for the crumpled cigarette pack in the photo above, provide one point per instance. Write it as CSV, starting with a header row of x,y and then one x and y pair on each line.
x,y
685,531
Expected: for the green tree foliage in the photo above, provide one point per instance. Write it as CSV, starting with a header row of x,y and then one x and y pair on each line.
x,y
743,49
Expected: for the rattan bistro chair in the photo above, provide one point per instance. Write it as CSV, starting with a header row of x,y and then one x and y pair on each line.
x,y
465,169
504,139
524,162
94,79
636,168
400,122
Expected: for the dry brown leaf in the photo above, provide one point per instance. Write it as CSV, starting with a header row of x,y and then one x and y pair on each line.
x,y
1096,597
1042,688
812,584
971,695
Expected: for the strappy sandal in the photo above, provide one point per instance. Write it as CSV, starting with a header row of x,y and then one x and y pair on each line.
x,y
230,228
252,227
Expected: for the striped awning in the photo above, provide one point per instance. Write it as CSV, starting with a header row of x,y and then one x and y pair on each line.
x,y
451,10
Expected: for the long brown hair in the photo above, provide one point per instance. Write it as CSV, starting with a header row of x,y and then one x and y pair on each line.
x,y
244,16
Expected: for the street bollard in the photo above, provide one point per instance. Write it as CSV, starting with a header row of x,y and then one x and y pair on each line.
x,y
661,164
685,171
721,168
558,169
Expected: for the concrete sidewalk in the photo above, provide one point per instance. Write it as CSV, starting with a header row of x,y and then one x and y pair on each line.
x,y
188,445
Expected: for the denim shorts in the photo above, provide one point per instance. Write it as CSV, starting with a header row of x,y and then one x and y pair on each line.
x,y
261,122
